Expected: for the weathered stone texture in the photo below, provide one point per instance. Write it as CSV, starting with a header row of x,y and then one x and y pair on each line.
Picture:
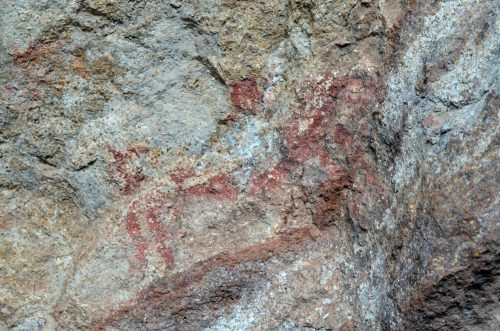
x,y
249,165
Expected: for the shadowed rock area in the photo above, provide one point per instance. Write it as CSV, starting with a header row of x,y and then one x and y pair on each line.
x,y
249,165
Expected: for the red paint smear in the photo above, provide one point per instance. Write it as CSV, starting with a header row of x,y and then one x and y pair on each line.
x,y
270,179
218,187
341,137
166,252
180,175
36,51
138,150
118,156
347,88
36,71
318,98
335,170
302,145
155,203
304,137
134,230
322,93
120,169
245,95
149,210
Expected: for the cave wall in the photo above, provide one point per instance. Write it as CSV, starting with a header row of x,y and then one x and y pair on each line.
x,y
242,165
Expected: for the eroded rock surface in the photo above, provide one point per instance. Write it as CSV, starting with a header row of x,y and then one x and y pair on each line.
x,y
249,165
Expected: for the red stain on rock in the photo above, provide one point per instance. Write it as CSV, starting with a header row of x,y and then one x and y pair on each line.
x,y
138,150
218,187
37,51
132,181
341,137
245,95
125,170
36,72
170,293
180,175
325,103
322,91
303,138
156,202
305,135
320,100
149,210
134,230
334,169
42,70
271,178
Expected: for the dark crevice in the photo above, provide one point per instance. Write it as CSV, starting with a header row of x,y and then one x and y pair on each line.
x,y
84,7
211,68
86,166
46,161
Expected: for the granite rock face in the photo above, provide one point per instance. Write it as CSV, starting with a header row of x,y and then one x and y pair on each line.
x,y
249,165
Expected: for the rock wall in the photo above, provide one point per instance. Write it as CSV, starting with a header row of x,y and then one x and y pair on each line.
x,y
249,165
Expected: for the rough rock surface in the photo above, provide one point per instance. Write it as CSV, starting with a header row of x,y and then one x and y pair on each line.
x,y
249,165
